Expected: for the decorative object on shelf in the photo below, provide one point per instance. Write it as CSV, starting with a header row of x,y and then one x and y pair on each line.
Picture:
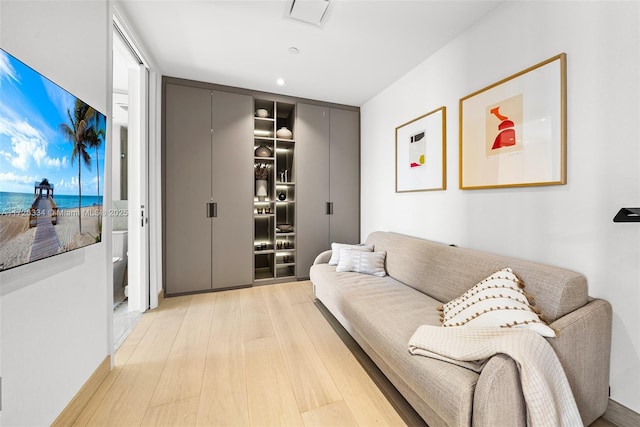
x,y
261,170
279,245
284,133
262,174
420,153
284,175
513,132
282,196
263,151
260,210
285,228
262,112
261,189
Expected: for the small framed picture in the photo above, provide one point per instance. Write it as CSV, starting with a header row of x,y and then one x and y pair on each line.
x,y
421,153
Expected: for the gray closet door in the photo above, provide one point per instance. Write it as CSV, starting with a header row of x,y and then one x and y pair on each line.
x,y
344,176
232,189
187,189
312,184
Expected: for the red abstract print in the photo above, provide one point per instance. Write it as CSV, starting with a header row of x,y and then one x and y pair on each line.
x,y
507,135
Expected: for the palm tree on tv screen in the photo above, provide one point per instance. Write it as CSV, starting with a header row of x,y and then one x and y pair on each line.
x,y
95,140
79,132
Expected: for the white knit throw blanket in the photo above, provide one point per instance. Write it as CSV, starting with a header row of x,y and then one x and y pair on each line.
x,y
547,393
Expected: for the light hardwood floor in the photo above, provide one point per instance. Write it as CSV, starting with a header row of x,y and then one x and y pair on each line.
x,y
260,356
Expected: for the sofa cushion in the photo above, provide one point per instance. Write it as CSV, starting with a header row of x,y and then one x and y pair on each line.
x,y
497,301
385,314
445,272
336,247
362,262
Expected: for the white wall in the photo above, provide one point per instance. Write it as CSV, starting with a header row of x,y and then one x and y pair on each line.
x,y
569,226
55,322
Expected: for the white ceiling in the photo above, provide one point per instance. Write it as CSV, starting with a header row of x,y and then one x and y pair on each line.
x,y
363,46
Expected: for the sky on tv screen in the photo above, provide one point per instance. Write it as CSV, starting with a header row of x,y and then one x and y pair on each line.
x,y
32,147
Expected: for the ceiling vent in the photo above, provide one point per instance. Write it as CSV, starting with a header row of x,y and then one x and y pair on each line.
x,y
312,12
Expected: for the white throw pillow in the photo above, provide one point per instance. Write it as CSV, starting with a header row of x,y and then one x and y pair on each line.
x,y
335,250
497,301
362,262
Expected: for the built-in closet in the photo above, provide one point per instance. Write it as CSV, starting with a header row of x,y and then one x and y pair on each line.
x,y
208,182
222,227
329,189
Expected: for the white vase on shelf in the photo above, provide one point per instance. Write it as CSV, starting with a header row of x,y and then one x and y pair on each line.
x,y
284,133
263,151
261,189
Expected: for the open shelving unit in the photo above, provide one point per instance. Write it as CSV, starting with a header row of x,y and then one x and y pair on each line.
x,y
274,200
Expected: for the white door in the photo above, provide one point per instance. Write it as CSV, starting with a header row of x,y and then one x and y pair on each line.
x,y
138,191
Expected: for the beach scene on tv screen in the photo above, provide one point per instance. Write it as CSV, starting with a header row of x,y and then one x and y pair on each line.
x,y
52,150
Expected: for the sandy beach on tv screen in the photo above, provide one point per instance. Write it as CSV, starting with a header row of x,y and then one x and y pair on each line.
x,y
16,238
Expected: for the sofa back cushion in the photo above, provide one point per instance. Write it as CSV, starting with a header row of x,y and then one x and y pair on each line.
x,y
445,272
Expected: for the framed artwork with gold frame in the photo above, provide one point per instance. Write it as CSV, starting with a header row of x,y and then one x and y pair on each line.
x,y
513,132
421,153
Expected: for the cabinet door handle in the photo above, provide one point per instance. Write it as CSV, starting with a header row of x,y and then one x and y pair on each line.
x,y
212,210
329,208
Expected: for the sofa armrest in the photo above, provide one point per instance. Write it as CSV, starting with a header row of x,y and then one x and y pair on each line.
x,y
323,258
498,398
583,346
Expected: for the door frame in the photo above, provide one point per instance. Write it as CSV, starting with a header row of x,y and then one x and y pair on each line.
x,y
149,132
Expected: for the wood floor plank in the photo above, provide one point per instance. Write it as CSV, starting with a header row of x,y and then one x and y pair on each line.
x,y
311,382
131,342
369,406
128,398
298,292
181,413
223,400
256,322
270,397
182,374
333,414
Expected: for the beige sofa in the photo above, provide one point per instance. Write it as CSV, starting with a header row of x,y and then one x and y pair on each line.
x,y
382,313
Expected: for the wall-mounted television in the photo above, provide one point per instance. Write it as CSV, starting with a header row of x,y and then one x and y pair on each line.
x,y
52,151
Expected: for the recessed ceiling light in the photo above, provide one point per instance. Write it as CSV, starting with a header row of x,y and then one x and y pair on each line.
x,y
280,82
294,50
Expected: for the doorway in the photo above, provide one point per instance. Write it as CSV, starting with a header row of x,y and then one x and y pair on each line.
x,y
129,183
